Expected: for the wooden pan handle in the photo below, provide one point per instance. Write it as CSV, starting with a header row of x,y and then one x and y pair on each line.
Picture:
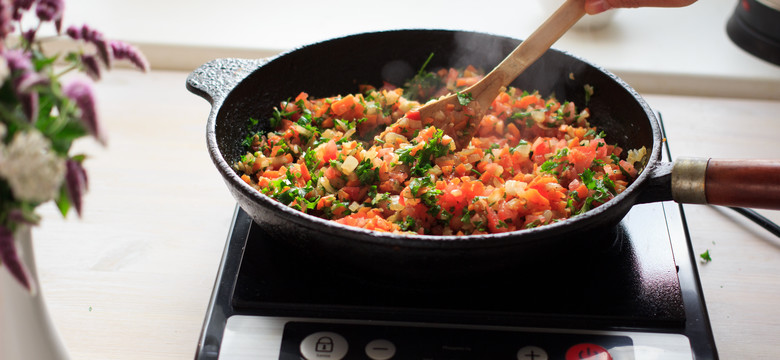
x,y
742,183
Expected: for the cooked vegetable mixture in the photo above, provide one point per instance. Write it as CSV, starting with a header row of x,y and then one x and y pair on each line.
x,y
531,162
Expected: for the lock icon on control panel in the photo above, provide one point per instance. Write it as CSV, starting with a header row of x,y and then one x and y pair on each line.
x,y
324,344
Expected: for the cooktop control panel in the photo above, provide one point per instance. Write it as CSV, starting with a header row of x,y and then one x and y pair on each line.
x,y
314,341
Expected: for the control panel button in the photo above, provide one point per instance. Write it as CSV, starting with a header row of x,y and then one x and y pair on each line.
x,y
324,345
532,353
380,349
587,351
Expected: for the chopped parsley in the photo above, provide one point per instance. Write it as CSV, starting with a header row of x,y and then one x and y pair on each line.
x,y
465,98
551,166
422,85
422,161
588,93
604,189
366,172
705,256
407,224
285,190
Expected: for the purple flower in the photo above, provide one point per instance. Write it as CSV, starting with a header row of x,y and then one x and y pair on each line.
x,y
18,60
10,258
74,32
6,25
29,35
91,66
104,52
23,87
81,93
25,78
30,105
48,10
90,35
124,51
28,79
20,6
76,181
85,33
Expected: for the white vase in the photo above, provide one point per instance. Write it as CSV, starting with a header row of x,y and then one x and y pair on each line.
x,y
26,330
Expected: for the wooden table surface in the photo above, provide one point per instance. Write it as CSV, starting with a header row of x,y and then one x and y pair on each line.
x,y
132,278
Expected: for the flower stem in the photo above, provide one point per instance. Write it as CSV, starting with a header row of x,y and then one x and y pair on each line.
x,y
67,70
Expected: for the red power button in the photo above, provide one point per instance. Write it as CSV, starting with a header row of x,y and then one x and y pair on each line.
x,y
587,352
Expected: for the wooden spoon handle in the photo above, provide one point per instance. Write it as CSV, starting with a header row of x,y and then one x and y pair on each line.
x,y
744,183
539,41
461,126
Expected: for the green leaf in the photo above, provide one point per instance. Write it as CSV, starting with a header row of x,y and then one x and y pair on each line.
x,y
366,172
588,93
41,61
310,157
423,160
465,98
604,188
63,201
407,224
705,256
548,166
425,64
63,139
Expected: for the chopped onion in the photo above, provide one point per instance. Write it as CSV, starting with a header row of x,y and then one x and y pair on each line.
x,y
354,206
514,187
349,165
636,155
370,154
405,106
326,184
524,149
394,205
538,115
348,134
495,196
391,97
263,162
279,160
303,131
391,138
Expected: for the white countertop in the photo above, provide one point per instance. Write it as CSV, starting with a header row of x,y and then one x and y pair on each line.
x,y
132,278
672,51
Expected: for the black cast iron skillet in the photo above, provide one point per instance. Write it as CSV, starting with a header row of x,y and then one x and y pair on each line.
x,y
239,89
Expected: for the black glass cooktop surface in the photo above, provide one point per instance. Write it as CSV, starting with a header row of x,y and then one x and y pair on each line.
x,y
634,282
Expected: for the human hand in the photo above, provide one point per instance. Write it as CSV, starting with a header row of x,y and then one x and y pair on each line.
x,y
593,7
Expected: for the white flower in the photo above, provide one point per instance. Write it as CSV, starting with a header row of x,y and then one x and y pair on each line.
x,y
32,169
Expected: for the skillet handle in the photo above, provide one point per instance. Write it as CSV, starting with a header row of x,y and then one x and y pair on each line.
x,y
742,183
215,79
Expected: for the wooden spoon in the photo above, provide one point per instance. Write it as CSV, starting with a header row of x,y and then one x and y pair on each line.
x,y
459,121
